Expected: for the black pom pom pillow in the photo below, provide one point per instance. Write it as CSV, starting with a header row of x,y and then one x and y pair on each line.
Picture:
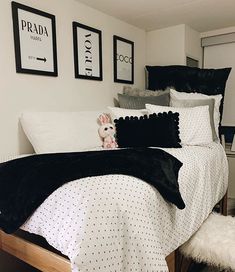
x,y
157,130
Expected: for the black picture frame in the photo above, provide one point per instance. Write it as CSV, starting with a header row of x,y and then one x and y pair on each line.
x,y
123,65
87,45
42,60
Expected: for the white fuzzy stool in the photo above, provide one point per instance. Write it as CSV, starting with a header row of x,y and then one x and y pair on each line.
x,y
213,243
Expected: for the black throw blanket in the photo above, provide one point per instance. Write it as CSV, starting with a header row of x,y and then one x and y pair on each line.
x,y
26,182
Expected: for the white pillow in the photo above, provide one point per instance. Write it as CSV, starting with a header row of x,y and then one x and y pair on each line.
x,y
182,95
117,113
51,132
194,123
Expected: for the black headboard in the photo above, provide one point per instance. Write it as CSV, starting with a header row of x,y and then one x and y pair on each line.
x,y
187,79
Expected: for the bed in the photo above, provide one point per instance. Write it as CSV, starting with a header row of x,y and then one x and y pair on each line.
x,y
118,222
127,223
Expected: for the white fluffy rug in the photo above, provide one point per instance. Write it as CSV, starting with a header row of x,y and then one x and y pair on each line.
x,y
214,242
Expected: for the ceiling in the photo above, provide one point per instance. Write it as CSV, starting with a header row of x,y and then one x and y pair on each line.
x,y
201,15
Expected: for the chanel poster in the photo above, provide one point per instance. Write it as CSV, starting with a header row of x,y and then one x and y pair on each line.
x,y
123,55
35,41
87,43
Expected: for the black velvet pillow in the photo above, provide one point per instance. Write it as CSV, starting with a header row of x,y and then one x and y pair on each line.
x,y
159,130
188,79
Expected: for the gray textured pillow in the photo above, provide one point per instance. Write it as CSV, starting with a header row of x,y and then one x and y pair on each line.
x,y
188,103
138,102
127,90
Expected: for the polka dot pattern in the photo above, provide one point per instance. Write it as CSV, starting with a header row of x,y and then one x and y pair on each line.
x,y
120,223
194,123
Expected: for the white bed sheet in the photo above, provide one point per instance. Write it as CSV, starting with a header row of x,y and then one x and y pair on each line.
x,y
120,223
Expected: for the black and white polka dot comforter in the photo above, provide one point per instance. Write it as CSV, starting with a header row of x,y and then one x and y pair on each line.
x,y
120,223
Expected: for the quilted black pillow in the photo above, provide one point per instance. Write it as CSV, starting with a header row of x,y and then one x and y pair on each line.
x,y
158,130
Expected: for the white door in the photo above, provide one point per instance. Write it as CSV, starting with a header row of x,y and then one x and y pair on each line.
x,y
221,56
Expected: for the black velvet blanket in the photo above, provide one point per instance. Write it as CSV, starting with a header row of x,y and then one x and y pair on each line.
x,y
26,182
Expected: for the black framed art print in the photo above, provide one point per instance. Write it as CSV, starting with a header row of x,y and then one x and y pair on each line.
x,y
35,40
87,43
123,59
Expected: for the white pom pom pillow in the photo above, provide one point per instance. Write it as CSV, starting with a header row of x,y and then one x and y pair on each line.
x,y
174,95
194,123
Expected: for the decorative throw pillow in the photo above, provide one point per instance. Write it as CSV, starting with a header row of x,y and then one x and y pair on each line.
x,y
157,130
116,112
174,95
138,102
51,132
189,103
194,123
127,90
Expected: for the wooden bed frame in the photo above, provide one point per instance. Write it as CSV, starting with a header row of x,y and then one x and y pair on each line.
x,y
43,259
48,261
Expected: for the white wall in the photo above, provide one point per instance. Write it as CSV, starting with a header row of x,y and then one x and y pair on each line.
x,y
171,45
19,92
166,46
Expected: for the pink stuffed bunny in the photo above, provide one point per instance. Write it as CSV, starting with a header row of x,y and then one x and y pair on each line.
x,y
107,132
